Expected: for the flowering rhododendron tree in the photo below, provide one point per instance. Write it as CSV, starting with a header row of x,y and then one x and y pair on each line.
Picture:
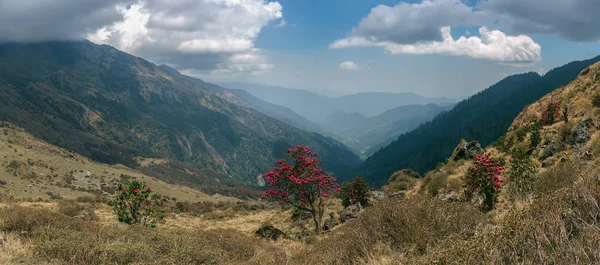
x,y
484,178
133,206
301,183
551,114
355,191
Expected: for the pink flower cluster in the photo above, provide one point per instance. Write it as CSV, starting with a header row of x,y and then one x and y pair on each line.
x,y
485,173
300,182
551,113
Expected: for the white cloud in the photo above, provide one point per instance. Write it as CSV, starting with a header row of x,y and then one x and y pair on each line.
x,y
349,65
206,35
424,28
407,23
492,45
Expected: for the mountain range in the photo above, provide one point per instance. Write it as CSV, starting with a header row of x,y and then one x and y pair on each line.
x,y
117,108
314,106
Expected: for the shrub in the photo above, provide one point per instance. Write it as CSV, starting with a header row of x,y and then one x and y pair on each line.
x,y
522,173
505,145
133,207
353,192
596,100
551,113
301,184
535,138
484,178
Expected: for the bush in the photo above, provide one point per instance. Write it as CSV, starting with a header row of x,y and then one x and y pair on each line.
x,y
404,179
484,178
551,113
132,205
354,192
535,138
505,145
522,173
596,100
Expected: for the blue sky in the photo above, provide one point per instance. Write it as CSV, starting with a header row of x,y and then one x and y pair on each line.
x,y
450,48
300,50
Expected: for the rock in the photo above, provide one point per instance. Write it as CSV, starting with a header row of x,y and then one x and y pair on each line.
x,y
79,216
378,195
351,212
2,182
548,151
580,134
269,232
451,196
587,155
330,223
548,162
466,150
398,194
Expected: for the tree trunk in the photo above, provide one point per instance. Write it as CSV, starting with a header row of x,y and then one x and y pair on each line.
x,y
317,221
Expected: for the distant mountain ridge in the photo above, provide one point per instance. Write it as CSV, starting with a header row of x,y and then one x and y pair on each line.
x,y
484,116
114,108
370,134
314,106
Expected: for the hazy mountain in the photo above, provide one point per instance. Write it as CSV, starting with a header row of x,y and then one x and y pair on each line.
x,y
369,134
314,106
484,116
113,107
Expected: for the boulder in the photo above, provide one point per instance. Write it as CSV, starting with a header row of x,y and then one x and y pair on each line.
x,y
398,194
351,212
548,151
2,182
378,195
466,150
548,162
269,232
580,134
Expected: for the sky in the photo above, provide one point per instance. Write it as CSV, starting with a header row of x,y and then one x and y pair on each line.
x,y
448,48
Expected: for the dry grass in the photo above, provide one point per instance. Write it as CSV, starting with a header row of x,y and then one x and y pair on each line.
x,y
59,238
394,227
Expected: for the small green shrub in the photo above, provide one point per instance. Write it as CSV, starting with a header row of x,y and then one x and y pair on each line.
x,y
596,100
505,145
132,205
535,138
522,173
354,192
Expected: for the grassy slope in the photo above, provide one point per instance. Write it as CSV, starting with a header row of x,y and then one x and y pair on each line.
x,y
33,169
